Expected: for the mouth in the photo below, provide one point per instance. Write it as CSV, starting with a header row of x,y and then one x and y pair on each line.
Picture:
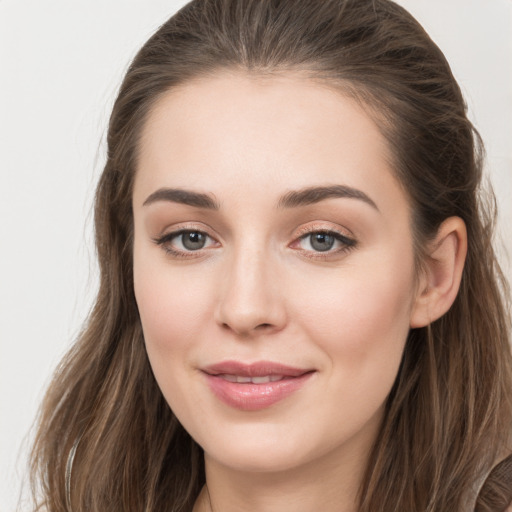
x,y
241,379
251,387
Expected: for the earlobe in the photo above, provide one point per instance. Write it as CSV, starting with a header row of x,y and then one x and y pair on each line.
x,y
443,266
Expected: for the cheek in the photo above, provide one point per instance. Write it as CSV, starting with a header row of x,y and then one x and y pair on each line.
x,y
172,311
360,319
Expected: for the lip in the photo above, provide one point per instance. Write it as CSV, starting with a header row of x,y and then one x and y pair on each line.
x,y
251,396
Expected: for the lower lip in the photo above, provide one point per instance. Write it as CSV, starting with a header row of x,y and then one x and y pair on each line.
x,y
254,397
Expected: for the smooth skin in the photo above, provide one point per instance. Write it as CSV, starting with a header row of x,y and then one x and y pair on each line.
x,y
325,282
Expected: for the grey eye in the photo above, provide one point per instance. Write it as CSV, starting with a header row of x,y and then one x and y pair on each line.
x,y
322,241
193,240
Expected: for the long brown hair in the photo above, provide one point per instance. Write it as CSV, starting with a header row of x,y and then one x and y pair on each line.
x,y
107,440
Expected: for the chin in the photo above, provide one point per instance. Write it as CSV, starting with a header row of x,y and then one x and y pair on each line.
x,y
262,448
255,459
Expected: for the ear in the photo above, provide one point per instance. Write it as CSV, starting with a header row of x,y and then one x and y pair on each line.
x,y
442,272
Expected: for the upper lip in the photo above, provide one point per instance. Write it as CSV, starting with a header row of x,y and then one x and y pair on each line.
x,y
256,369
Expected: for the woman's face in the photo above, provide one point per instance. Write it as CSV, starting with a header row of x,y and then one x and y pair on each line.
x,y
273,266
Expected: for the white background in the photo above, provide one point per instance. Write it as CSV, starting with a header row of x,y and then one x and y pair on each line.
x,y
61,62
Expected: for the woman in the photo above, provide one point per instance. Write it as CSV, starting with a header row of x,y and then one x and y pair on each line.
x,y
300,307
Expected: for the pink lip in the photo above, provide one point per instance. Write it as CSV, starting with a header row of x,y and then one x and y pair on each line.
x,y
254,396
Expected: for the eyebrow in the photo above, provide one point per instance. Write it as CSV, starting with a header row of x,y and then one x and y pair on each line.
x,y
312,195
188,197
292,199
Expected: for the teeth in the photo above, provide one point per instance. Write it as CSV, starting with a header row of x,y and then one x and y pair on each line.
x,y
254,380
260,380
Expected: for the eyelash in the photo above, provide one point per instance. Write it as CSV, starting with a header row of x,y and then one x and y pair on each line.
x,y
347,244
164,242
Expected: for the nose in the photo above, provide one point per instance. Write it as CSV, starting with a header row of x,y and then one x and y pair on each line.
x,y
252,298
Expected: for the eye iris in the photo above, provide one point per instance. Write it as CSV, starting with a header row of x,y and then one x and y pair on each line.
x,y
193,240
322,241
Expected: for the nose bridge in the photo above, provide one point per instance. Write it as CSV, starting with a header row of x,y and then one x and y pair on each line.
x,y
250,299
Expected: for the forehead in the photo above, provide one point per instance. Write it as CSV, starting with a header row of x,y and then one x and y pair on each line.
x,y
263,134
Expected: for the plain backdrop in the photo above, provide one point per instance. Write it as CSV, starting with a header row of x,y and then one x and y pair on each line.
x,y
61,63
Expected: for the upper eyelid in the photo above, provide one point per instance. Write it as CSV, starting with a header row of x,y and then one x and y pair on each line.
x,y
344,239
322,228
185,226
338,236
175,233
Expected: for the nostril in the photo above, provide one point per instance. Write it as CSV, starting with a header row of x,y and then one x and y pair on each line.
x,y
260,327
263,326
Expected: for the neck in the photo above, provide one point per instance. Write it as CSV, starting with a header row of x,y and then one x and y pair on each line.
x,y
330,483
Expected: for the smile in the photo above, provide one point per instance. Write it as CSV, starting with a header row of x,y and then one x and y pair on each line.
x,y
256,386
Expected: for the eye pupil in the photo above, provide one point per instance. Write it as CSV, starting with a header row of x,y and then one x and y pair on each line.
x,y
193,240
322,241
